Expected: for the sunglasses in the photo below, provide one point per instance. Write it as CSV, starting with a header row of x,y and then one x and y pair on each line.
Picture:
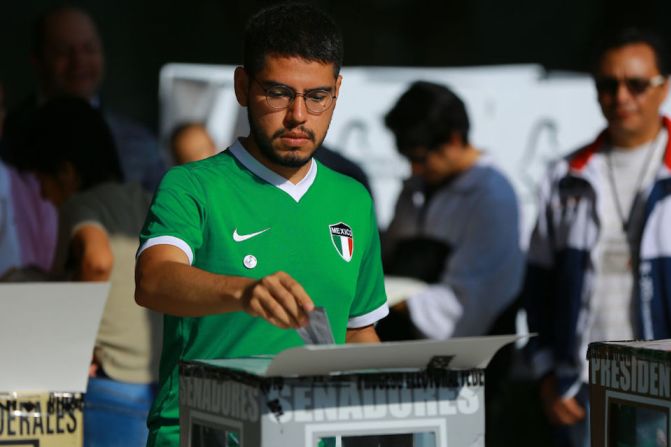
x,y
635,86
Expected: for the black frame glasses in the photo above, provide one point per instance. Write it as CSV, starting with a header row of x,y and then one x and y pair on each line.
x,y
636,86
280,96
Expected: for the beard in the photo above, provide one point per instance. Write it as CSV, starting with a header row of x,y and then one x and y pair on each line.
x,y
292,158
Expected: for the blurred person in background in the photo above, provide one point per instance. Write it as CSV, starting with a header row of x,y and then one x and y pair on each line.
x,y
27,222
456,224
600,254
339,163
191,142
68,59
99,221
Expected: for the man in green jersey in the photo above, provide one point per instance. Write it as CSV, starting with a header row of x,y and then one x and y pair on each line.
x,y
238,248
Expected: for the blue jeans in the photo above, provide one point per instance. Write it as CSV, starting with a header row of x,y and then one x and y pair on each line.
x,y
115,413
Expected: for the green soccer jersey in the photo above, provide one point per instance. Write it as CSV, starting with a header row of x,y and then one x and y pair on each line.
x,y
233,216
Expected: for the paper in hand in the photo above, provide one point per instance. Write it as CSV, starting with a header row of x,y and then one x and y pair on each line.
x,y
318,329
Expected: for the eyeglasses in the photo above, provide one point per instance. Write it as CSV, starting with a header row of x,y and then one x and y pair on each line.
x,y
635,86
280,97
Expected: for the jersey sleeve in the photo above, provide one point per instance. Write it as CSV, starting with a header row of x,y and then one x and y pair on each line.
x,y
370,304
176,214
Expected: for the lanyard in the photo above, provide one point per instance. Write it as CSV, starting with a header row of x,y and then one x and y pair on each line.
x,y
641,177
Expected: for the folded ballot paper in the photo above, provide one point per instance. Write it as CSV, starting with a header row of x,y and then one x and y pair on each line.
x,y
318,330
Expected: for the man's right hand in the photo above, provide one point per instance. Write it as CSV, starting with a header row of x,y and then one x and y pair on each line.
x,y
279,299
560,410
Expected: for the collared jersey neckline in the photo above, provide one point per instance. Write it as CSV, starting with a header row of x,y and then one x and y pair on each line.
x,y
296,191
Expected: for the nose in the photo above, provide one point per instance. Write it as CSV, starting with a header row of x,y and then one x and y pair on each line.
x,y
622,93
296,112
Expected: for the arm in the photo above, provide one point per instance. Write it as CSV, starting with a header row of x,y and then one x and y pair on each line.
x,y
94,261
92,253
559,410
165,282
539,303
538,293
483,272
364,334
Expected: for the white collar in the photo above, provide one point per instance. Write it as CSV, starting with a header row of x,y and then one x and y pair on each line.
x,y
296,191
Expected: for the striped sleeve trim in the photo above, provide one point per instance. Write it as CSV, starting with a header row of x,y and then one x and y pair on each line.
x,y
167,240
369,318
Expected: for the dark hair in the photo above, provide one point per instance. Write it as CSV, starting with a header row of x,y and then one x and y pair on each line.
x,y
292,29
38,38
70,130
632,36
427,115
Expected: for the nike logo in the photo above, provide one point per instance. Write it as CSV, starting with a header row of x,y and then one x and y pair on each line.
x,y
243,237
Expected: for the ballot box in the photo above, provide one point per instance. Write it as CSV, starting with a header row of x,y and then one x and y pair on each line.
x,y
48,419
416,393
630,393
47,333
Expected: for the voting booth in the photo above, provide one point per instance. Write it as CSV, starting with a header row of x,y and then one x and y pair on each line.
x,y
47,332
415,393
630,393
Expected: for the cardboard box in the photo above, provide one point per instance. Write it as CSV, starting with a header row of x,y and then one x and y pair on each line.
x,y
44,346
41,419
630,393
423,394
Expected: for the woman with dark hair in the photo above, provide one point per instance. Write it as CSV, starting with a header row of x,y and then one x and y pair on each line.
x,y
73,154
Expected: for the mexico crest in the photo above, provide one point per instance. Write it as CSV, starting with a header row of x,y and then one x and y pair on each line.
x,y
343,240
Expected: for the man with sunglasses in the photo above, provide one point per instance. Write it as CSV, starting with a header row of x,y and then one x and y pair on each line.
x,y
599,255
239,248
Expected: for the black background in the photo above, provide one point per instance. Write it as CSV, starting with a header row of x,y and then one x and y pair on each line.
x,y
141,35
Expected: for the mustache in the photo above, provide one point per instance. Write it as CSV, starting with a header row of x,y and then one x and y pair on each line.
x,y
301,132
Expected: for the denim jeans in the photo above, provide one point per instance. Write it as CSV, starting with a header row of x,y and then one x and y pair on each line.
x,y
115,413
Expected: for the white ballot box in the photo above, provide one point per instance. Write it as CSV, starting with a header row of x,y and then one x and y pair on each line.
x,y
47,333
630,393
415,393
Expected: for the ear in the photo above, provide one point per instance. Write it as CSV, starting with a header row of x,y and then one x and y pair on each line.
x,y
337,86
241,85
665,89
456,139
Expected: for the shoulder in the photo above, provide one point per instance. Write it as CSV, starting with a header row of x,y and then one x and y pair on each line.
x,y
107,195
346,186
342,164
490,180
217,170
577,159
